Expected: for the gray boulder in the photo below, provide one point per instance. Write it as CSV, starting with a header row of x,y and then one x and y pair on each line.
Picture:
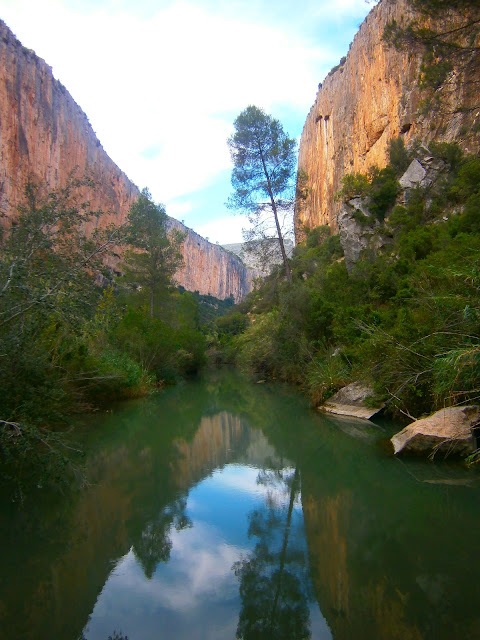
x,y
413,176
350,401
450,431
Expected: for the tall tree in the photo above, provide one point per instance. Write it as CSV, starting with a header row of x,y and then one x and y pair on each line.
x,y
155,253
264,161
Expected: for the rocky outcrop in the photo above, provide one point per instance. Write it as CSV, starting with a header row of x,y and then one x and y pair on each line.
x,y
449,431
261,256
44,136
357,228
350,401
372,97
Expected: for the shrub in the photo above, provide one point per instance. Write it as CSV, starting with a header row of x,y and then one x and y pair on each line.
x,y
353,184
383,191
398,155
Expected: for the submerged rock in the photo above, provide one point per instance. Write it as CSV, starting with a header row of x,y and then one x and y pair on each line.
x,y
350,401
450,431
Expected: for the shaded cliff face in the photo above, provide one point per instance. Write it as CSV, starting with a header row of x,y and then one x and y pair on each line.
x,y
209,269
44,135
373,97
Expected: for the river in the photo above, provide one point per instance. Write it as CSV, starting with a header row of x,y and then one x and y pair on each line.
x,y
223,507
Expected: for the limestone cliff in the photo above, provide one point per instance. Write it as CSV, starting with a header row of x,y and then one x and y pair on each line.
x,y
372,97
44,135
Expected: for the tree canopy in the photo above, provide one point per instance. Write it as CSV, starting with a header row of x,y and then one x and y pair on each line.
x,y
264,161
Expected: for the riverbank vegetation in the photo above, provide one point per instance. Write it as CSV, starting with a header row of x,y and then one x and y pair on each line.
x,y
405,319
73,338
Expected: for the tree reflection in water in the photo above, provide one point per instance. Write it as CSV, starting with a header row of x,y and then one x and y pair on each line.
x,y
154,543
274,582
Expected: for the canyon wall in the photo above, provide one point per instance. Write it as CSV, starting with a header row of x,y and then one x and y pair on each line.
x,y
372,97
44,135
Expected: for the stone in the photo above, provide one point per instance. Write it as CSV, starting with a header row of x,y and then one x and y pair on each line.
x,y
45,135
350,401
414,176
355,237
449,431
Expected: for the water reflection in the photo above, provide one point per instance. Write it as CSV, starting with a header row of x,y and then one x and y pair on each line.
x,y
274,583
224,508
154,543
182,572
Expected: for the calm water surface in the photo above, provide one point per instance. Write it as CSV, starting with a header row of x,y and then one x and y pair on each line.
x,y
222,508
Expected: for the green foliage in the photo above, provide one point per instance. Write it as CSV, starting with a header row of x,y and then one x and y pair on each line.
x,y
232,324
379,188
432,73
302,190
67,345
325,375
168,353
155,253
354,184
383,191
398,156
406,320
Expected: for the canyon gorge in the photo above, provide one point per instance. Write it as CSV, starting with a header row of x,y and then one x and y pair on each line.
x,y
45,135
371,97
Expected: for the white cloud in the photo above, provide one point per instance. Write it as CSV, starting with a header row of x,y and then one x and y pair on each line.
x,y
178,209
225,230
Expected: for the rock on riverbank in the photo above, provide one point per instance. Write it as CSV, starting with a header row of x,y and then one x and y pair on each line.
x,y
449,430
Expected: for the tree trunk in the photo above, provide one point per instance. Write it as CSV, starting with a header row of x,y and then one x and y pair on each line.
x,y
283,554
288,272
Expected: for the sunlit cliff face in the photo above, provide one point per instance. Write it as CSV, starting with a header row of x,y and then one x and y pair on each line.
x,y
370,99
45,136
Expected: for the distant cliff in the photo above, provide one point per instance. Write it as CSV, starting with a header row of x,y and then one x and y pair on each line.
x,y
372,97
44,135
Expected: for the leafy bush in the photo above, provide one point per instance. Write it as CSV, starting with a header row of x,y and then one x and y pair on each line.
x,y
398,156
383,191
354,184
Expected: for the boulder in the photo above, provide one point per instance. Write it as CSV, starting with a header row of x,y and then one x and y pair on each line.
x,y
350,401
450,431
413,176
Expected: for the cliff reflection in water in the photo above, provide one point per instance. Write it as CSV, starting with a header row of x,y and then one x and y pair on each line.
x,y
240,521
222,509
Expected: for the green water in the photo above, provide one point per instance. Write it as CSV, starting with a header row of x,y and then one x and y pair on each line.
x,y
221,507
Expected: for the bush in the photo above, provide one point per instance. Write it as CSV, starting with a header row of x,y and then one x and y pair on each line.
x,y
383,191
354,184
398,155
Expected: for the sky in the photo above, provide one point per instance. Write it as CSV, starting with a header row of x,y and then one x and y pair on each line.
x,y
162,81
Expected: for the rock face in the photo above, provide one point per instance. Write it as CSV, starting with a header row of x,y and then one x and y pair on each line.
x,y
448,431
261,262
44,135
371,98
357,228
209,269
350,401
